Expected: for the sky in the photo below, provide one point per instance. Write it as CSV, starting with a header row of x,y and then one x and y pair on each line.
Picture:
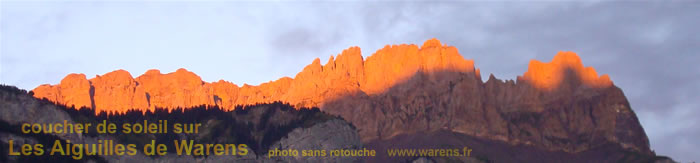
x,y
649,49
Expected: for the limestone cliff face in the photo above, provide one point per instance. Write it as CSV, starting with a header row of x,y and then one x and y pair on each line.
x,y
329,135
114,90
74,89
549,76
403,89
315,84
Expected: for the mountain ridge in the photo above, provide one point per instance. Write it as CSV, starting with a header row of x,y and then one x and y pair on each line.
x,y
345,73
403,91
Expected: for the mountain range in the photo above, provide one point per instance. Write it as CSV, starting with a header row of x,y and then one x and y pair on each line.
x,y
410,96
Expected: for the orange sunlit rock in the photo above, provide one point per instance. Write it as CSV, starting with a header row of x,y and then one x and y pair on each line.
x,y
74,90
396,63
346,73
550,75
114,90
50,92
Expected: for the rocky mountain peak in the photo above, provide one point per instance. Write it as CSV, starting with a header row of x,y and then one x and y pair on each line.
x,y
432,43
345,73
564,65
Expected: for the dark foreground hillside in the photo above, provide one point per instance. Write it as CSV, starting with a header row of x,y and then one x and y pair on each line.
x,y
260,127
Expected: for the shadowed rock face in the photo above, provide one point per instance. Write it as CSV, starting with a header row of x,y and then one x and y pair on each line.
x,y
571,119
402,90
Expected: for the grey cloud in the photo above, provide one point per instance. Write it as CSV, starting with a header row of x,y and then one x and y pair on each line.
x,y
323,27
296,40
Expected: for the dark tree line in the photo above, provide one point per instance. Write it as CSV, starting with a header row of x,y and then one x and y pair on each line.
x,y
258,126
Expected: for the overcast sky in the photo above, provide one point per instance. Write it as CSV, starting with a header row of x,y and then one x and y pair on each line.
x,y
649,49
